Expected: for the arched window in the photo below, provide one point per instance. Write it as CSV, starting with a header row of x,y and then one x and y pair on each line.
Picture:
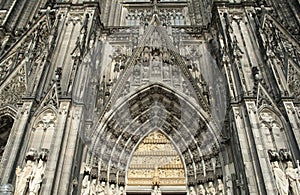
x,y
6,123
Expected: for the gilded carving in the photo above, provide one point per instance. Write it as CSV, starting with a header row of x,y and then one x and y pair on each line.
x,y
156,163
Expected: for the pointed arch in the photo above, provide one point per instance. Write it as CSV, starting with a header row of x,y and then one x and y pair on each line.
x,y
275,136
43,128
156,107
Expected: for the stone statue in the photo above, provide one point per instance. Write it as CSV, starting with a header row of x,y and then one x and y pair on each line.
x,y
293,178
112,190
37,178
156,63
201,190
156,191
85,188
122,191
281,180
93,187
101,189
23,177
146,56
211,188
192,191
220,187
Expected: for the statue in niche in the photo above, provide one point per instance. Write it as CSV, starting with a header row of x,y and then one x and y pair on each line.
x,y
280,178
220,187
85,189
37,178
93,187
101,188
165,55
293,178
112,190
192,191
156,63
23,177
122,191
211,188
201,190
146,54
136,73
156,191
166,71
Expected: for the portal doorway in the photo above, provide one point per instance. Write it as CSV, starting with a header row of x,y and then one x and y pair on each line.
x,y
156,166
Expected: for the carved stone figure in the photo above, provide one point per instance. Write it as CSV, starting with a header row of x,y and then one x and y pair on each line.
x,y
201,190
156,63
220,187
122,191
37,178
101,189
112,190
281,180
93,190
211,188
23,177
293,178
156,191
192,191
147,54
85,189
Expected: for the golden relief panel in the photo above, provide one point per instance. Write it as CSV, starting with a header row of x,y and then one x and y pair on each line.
x,y
156,162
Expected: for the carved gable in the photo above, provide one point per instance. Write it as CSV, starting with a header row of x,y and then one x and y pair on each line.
x,y
154,58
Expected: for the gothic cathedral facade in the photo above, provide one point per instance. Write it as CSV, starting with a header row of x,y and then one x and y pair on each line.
x,y
159,97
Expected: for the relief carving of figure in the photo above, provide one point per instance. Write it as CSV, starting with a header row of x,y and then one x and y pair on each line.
x,y
293,178
37,178
281,180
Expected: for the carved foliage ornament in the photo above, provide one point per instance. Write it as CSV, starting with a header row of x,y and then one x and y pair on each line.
x,y
14,89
